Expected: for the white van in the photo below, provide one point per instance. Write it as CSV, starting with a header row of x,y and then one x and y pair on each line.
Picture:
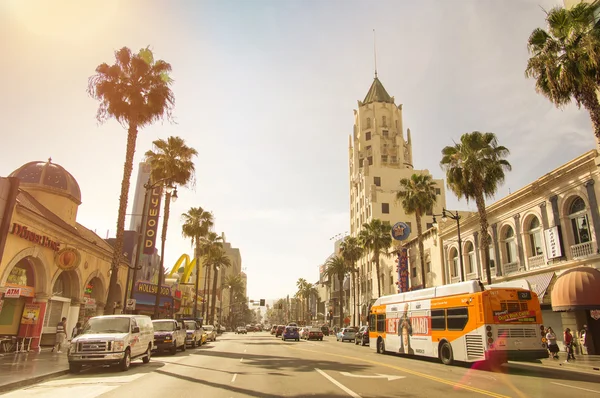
x,y
112,340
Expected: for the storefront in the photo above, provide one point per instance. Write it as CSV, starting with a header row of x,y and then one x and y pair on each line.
x,y
144,294
51,266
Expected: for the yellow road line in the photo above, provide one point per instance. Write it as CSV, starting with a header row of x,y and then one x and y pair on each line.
x,y
412,372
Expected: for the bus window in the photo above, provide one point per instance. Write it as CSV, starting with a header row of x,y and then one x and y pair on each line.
x,y
438,319
457,318
372,324
381,322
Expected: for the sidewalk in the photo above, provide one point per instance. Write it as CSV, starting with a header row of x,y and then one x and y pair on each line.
x,y
24,369
586,363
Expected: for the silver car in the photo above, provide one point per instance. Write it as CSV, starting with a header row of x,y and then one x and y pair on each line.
x,y
348,334
211,332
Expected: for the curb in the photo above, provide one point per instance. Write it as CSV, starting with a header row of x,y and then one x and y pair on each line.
x,y
587,370
31,381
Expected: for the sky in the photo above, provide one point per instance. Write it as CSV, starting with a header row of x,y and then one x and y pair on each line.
x,y
265,91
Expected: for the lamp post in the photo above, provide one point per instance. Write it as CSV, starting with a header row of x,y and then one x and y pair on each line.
x,y
446,214
169,188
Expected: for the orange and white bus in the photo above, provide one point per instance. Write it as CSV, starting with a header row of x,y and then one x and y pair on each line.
x,y
463,321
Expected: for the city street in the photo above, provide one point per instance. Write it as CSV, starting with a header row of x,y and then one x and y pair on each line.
x,y
259,365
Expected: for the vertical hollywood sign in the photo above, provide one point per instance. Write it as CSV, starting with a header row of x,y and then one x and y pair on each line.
x,y
152,220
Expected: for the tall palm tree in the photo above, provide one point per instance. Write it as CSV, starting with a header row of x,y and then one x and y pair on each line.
x,y
352,251
135,91
309,291
475,168
212,241
171,161
375,236
197,223
301,284
235,284
337,267
417,195
218,259
565,59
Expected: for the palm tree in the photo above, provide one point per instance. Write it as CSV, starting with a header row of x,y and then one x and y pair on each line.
x,y
196,225
352,251
217,258
212,241
171,161
565,59
301,284
337,267
475,168
136,92
309,291
235,285
376,238
417,195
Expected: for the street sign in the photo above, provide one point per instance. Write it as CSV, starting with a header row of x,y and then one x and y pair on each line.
x,y
400,231
130,305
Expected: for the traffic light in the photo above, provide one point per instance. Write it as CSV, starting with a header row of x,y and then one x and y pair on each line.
x,y
262,302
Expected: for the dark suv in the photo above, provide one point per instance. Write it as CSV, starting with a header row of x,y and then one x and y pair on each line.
x,y
362,336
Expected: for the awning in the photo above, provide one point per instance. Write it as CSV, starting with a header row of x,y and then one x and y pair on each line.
x,y
577,289
539,283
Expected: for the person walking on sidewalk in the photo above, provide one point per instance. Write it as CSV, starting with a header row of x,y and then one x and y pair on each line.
x,y
61,335
569,344
552,346
76,330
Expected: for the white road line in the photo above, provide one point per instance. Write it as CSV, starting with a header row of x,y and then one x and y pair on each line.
x,y
337,383
245,350
579,388
241,359
233,378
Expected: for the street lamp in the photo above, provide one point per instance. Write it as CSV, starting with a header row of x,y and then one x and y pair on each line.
x,y
446,214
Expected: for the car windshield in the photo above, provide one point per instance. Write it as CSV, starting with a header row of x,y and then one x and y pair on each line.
x,y
350,330
163,326
190,325
106,325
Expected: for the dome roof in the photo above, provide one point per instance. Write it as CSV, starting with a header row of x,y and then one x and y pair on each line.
x,y
50,176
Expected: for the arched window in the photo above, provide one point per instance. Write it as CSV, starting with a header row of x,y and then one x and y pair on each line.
x,y
368,122
510,246
491,252
384,121
454,262
535,237
470,258
579,221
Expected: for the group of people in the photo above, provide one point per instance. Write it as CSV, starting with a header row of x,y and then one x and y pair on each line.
x,y
61,334
568,340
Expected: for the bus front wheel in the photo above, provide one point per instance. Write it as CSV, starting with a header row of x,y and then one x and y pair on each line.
x,y
381,346
446,355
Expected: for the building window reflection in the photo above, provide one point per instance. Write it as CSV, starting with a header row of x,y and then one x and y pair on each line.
x,y
510,245
470,263
454,262
491,252
535,237
579,221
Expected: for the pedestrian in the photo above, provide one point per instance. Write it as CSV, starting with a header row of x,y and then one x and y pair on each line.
x,y
76,330
552,345
586,340
568,339
61,335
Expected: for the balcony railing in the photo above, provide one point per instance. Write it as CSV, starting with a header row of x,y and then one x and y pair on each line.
x,y
511,268
582,250
536,261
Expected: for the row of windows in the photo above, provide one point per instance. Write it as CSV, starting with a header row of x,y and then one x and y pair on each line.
x,y
383,122
454,319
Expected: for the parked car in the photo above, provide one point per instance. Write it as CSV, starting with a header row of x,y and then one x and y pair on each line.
x,y
346,334
280,329
273,329
362,336
211,332
110,340
314,334
325,330
169,335
241,330
194,333
303,332
290,333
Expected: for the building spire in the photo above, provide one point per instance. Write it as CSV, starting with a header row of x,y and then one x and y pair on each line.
x,y
375,52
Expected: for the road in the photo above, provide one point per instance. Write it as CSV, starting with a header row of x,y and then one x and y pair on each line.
x,y
259,365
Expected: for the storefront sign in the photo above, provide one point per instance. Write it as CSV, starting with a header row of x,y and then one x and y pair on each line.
x,y
31,314
24,291
143,287
23,232
89,302
67,259
553,249
152,220
12,292
595,314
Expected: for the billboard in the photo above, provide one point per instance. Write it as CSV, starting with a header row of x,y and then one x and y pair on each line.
x,y
151,227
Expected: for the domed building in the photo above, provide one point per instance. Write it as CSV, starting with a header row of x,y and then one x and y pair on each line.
x,y
50,265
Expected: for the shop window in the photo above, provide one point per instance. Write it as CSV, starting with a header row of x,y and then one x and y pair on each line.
x,y
438,319
457,318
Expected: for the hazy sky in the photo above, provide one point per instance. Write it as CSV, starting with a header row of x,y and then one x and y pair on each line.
x,y
265,92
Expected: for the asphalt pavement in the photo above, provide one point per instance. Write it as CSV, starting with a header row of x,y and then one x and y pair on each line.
x,y
259,365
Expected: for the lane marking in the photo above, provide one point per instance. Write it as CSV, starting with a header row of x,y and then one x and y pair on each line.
x,y
376,376
245,350
337,383
412,372
233,378
579,388
241,359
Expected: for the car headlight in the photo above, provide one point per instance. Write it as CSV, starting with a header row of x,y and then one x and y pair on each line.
x,y
118,345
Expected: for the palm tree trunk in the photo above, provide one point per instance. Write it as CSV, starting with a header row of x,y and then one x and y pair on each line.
x,y
591,103
352,274
214,296
378,276
421,249
483,223
341,302
230,306
207,292
163,241
118,250
197,252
